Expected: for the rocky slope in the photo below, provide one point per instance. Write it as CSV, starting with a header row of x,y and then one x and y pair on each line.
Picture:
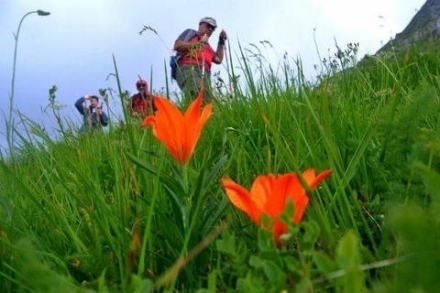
x,y
424,26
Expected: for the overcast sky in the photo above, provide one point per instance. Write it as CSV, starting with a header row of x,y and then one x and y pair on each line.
x,y
72,48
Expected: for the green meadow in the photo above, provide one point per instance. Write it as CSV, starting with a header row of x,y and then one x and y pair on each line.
x,y
113,212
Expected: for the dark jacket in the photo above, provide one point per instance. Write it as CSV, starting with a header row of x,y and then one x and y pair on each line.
x,y
92,121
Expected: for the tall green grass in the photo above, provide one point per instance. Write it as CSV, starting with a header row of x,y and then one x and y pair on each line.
x,y
112,212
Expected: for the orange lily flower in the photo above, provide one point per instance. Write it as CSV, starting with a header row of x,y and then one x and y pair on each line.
x,y
178,131
269,195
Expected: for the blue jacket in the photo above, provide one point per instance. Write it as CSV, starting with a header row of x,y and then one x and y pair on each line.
x,y
92,121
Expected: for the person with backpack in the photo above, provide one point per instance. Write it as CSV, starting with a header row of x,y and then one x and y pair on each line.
x,y
94,116
141,102
195,57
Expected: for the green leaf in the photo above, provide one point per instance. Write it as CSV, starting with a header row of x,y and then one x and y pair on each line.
x,y
292,264
253,284
310,236
431,179
347,252
214,170
323,262
265,236
226,244
348,259
274,273
140,285
169,181
256,262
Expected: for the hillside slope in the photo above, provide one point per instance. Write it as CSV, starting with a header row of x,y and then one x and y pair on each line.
x,y
423,27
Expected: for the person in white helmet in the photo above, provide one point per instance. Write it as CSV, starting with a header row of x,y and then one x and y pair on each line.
x,y
195,57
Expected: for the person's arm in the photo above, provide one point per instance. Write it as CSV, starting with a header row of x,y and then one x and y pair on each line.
x,y
220,52
103,117
130,105
79,104
183,42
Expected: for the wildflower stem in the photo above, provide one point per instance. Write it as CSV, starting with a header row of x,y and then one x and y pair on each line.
x,y
185,178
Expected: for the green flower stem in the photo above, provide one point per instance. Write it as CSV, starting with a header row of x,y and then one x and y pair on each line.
x,y
185,178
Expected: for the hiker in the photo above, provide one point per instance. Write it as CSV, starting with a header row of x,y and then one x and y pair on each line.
x,y
195,57
140,103
94,116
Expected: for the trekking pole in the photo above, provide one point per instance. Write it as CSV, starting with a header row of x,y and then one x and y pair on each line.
x,y
229,87
203,67
202,83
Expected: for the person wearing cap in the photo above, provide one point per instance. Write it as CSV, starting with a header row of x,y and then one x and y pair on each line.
x,y
140,102
196,57
94,116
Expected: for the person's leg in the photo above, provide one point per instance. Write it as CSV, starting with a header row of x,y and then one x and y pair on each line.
x,y
188,78
207,95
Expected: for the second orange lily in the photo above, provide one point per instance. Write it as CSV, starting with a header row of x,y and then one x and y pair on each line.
x,y
270,194
178,131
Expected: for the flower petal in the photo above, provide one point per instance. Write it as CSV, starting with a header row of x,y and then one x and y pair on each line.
x,y
149,120
194,121
301,199
312,180
178,132
263,195
169,127
241,199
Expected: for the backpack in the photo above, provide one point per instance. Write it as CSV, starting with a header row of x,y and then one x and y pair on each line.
x,y
186,36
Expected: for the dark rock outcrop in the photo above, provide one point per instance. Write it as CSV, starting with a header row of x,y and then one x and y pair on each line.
x,y
423,27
